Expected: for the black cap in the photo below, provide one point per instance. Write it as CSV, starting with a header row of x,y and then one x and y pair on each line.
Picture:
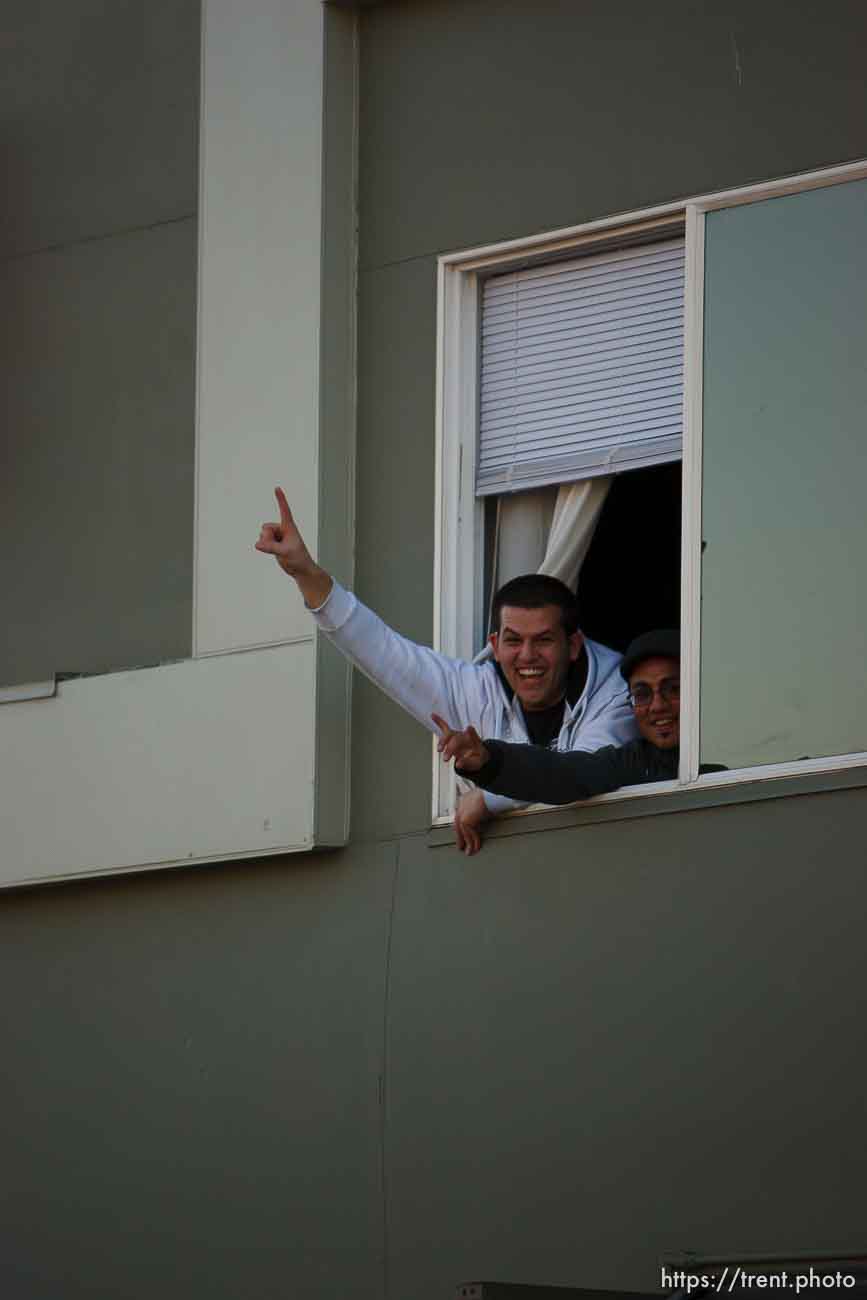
x,y
664,642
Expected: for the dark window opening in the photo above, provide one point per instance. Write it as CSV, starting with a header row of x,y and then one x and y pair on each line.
x,y
630,579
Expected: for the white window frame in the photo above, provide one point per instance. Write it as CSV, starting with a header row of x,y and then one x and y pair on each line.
x,y
459,514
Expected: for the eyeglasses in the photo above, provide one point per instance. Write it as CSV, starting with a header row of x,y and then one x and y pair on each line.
x,y
641,697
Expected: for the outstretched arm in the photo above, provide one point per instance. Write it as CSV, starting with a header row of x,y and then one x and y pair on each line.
x,y
285,543
533,773
414,676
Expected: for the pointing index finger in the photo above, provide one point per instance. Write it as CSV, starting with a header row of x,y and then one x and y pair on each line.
x,y
285,512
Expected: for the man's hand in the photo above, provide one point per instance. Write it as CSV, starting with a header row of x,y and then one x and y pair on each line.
x,y
465,747
470,753
285,543
470,816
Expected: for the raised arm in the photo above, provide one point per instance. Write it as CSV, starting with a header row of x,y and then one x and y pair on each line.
x,y
283,540
416,677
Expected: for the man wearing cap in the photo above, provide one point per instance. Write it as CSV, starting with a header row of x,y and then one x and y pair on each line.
x,y
651,666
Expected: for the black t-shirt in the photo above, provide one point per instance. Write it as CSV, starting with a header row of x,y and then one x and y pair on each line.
x,y
543,725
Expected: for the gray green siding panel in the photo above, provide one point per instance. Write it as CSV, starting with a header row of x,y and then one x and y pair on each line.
x,y
190,1097
100,118
497,118
97,334
596,1046
625,1040
98,370
394,531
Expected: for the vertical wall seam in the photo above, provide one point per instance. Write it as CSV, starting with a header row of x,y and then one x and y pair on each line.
x,y
316,819
352,440
383,1088
197,386
335,478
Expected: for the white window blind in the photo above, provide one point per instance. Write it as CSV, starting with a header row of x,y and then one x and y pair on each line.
x,y
581,368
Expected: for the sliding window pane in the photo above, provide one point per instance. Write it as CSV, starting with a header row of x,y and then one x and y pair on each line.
x,y
784,615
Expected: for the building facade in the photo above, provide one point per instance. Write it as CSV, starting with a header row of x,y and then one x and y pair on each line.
x,y
330,1055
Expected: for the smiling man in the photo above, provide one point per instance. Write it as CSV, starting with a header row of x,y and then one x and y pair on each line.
x,y
546,684
537,647
651,666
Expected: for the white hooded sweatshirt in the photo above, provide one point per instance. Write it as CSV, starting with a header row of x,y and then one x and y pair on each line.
x,y
424,682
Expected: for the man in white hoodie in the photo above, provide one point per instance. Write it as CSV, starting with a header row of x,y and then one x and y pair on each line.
x,y
546,684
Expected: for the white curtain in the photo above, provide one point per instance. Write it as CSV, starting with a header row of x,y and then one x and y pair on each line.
x,y
522,530
547,530
576,514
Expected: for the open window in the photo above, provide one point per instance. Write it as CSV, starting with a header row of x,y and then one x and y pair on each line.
x,y
580,400
736,322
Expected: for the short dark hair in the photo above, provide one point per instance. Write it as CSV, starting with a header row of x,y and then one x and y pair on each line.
x,y
533,591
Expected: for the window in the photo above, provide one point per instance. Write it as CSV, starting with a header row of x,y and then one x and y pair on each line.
x,y
581,392
774,438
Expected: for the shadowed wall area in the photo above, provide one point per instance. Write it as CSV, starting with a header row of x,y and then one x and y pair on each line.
x,y
99,110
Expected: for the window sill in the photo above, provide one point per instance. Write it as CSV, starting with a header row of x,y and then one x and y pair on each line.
x,y
659,798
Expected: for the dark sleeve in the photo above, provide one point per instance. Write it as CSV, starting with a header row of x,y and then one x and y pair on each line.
x,y
546,776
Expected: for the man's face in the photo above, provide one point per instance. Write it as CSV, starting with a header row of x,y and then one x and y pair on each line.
x,y
535,653
658,718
